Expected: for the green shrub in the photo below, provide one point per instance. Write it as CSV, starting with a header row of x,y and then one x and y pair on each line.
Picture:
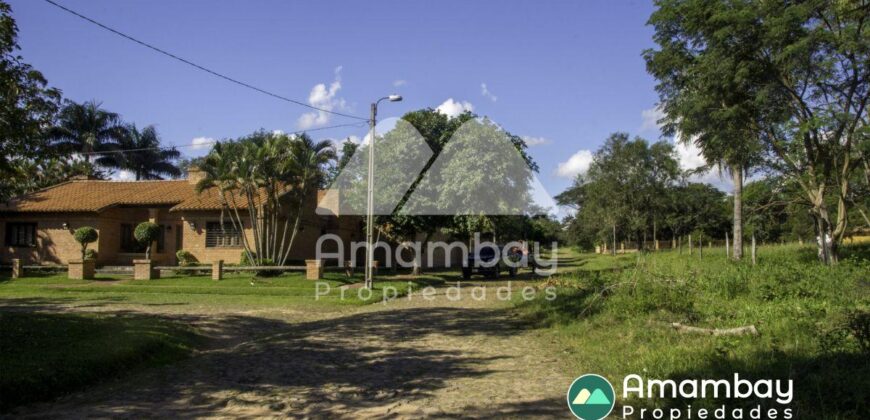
x,y
146,233
257,262
85,235
91,254
185,258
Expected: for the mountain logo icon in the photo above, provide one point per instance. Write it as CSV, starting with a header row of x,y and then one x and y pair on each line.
x,y
591,397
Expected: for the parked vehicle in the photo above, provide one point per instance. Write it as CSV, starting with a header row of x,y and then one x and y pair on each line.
x,y
485,256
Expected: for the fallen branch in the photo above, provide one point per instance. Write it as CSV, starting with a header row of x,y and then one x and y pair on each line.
x,y
747,330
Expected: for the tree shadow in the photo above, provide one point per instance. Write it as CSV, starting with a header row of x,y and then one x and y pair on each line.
x,y
314,368
831,385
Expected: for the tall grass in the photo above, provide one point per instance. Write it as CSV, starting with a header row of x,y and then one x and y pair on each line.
x,y
812,322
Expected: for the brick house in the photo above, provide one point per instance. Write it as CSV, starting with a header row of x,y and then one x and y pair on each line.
x,y
38,227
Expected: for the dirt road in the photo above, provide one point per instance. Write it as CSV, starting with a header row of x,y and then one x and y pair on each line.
x,y
408,358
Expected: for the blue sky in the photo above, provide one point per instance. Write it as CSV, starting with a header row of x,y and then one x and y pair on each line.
x,y
565,74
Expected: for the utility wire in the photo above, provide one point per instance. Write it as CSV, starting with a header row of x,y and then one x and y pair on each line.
x,y
111,152
199,67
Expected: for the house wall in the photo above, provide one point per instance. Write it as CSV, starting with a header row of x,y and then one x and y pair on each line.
x,y
54,245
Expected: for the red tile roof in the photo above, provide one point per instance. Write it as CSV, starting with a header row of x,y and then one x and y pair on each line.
x,y
96,195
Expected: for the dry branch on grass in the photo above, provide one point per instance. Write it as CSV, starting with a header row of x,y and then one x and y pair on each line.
x,y
747,330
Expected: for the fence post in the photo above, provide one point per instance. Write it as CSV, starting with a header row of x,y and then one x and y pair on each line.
x,y
753,249
690,244
727,245
217,270
17,268
313,269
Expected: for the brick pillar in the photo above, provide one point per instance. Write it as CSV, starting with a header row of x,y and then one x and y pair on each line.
x,y
313,269
17,268
144,270
217,270
81,269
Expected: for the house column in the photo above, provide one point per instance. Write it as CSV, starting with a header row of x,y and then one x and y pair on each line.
x,y
152,217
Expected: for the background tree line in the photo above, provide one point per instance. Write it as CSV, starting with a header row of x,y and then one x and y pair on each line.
x,y
45,140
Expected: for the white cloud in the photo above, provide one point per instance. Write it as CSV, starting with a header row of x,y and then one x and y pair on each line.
x,y
325,98
400,83
688,154
486,93
578,163
201,143
650,118
453,108
532,141
124,176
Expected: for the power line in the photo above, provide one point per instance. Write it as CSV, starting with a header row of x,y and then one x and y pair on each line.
x,y
143,149
199,67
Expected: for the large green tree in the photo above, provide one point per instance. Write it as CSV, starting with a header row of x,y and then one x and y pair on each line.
x,y
793,75
625,191
27,106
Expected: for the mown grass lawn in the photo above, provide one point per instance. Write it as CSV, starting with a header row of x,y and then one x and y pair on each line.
x,y
234,292
611,318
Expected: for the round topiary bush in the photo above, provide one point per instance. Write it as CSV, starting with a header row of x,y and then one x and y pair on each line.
x,y
146,233
85,235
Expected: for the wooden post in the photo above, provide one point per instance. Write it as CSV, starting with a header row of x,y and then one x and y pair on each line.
x,y
217,270
700,245
753,248
17,268
690,244
727,245
680,244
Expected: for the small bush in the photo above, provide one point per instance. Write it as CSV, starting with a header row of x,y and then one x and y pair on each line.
x,y
185,258
85,235
146,233
91,254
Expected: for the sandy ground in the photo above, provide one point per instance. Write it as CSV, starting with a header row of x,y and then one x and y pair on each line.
x,y
408,358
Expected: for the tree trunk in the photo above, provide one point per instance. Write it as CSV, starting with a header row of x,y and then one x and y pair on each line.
x,y
737,175
690,244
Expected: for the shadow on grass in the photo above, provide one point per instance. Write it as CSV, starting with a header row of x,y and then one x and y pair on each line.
x,y
829,386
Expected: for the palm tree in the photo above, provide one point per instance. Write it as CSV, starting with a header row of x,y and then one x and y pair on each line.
x,y
140,153
306,171
85,128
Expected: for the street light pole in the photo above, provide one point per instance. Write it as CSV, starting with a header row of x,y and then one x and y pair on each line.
x,y
370,197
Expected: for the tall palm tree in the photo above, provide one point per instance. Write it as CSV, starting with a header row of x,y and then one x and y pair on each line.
x,y
140,153
85,128
306,170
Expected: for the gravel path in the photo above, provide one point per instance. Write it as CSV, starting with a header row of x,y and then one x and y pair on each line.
x,y
408,358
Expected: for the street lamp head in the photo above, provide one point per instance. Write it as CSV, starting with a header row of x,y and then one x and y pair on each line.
x,y
394,98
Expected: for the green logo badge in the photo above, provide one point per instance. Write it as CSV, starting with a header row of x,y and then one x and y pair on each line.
x,y
591,397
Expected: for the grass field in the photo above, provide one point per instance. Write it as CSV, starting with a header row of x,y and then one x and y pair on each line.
x,y
612,313
234,292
